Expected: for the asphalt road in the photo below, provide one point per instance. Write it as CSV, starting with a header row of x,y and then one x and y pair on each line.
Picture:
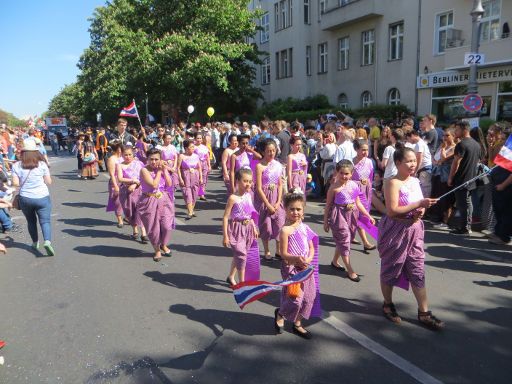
x,y
101,311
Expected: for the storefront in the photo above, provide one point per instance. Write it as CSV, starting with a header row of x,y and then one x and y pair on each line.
x,y
441,93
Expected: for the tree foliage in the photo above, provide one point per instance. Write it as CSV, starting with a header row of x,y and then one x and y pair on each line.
x,y
178,52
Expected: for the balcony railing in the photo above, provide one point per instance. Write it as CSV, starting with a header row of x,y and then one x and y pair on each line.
x,y
345,12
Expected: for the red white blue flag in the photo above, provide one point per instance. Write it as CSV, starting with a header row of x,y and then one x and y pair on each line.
x,y
504,158
250,291
130,111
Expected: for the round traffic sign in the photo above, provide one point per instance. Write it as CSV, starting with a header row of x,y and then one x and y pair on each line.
x,y
472,102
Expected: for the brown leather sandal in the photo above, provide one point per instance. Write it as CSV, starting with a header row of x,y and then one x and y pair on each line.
x,y
428,320
392,314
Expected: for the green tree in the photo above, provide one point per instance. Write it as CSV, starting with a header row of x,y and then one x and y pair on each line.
x,y
69,103
179,52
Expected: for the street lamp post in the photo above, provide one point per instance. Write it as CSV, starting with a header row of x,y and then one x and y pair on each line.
x,y
476,15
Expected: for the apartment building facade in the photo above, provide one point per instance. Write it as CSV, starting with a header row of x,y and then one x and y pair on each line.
x,y
362,52
446,37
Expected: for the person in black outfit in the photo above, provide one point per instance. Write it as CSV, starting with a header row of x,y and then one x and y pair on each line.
x,y
60,140
464,168
501,203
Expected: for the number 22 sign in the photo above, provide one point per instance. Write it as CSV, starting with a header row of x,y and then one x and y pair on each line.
x,y
474,58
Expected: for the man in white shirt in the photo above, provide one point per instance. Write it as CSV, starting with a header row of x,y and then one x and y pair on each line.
x,y
423,160
345,150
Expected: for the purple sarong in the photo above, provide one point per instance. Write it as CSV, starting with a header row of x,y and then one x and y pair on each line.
x,y
113,203
190,176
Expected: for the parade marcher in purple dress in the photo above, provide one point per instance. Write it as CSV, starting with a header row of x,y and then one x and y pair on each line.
x,y
141,147
203,152
191,177
154,207
226,161
268,197
400,242
363,175
128,173
242,157
342,208
113,203
299,248
297,166
240,230
170,155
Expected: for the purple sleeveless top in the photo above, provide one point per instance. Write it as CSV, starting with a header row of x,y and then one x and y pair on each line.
x,y
272,172
132,171
243,209
299,162
348,194
410,192
243,160
363,170
190,162
149,189
298,241
169,152
203,152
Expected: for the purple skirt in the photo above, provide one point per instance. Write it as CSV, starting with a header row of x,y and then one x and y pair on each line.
x,y
202,187
241,239
113,203
292,309
129,203
157,217
343,224
400,246
269,224
299,180
191,188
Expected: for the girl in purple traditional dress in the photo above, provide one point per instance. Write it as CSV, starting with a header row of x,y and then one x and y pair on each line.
x,y
299,248
238,227
297,166
141,147
363,175
242,157
268,197
154,207
203,152
129,177
113,204
342,208
226,161
190,175
400,242
170,156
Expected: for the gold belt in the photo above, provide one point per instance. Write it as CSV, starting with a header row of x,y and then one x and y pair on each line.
x,y
300,172
271,187
158,194
349,207
192,170
243,222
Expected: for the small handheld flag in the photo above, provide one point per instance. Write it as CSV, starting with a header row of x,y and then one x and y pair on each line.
x,y
504,157
250,291
130,111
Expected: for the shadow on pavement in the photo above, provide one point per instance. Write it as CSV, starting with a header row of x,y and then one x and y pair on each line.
x,y
204,250
108,251
95,233
84,205
187,281
88,222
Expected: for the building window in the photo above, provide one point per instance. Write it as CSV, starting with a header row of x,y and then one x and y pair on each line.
x,y
265,28
343,49
308,60
322,6
284,63
322,58
394,96
368,38
283,14
490,22
396,41
342,101
265,71
444,23
307,12
366,99
505,101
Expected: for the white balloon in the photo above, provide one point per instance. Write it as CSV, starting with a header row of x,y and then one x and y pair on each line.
x,y
190,109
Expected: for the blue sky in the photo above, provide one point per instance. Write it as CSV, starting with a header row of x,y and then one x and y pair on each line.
x,y
40,44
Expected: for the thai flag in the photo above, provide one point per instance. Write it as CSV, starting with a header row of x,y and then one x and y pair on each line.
x,y
504,158
250,291
130,111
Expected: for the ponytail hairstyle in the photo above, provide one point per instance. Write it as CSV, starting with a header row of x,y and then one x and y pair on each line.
x,y
187,143
115,145
399,154
345,164
242,171
294,139
295,194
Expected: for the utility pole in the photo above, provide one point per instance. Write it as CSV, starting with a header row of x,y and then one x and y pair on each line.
x,y
476,14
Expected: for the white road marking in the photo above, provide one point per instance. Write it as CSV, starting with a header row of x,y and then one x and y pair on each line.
x,y
391,357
